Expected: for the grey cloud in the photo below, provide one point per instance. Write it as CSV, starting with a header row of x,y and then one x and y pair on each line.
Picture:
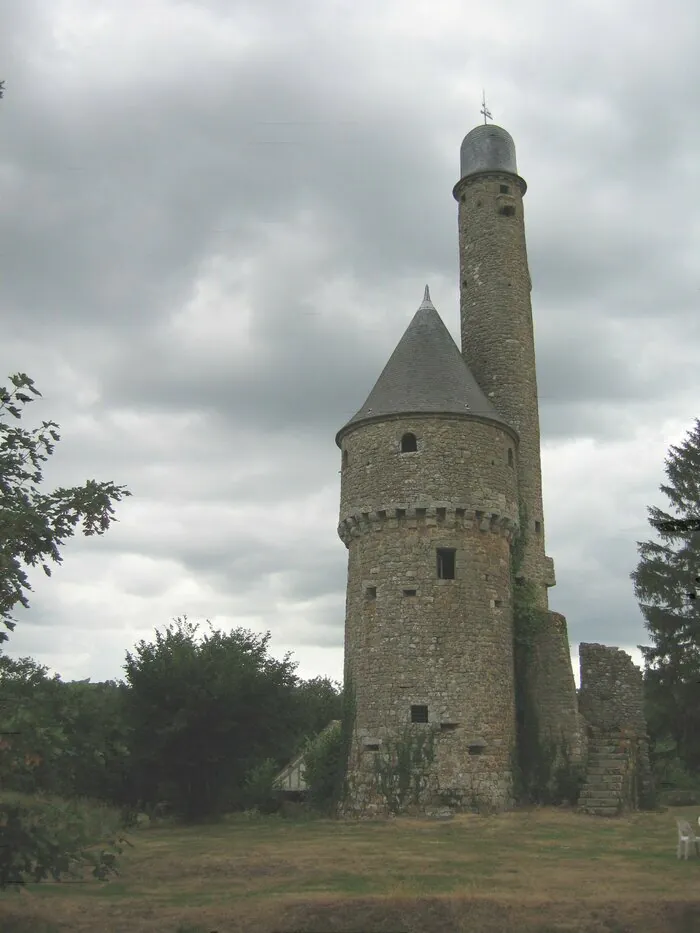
x,y
306,179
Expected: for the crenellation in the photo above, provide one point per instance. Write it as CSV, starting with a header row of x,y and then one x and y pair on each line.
x,y
392,517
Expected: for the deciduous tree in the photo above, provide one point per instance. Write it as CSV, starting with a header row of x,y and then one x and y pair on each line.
x,y
33,528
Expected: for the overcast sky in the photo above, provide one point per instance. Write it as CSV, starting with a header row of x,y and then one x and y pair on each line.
x,y
217,218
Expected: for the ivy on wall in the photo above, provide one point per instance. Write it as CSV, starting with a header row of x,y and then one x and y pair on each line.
x,y
402,769
543,771
341,788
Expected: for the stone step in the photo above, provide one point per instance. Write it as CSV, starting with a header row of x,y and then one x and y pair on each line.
x,y
594,799
610,784
603,799
606,770
607,796
612,753
590,787
601,811
604,777
603,788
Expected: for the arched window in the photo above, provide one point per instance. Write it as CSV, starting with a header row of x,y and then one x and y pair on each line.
x,y
409,443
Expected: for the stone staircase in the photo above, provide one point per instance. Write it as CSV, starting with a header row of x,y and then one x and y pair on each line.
x,y
605,790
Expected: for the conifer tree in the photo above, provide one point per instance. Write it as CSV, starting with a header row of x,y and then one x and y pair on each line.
x,y
667,585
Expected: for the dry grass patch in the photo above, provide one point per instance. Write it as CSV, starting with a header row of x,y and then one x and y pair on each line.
x,y
270,874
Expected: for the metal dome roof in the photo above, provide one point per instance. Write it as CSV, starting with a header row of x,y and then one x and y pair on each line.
x,y
487,148
426,374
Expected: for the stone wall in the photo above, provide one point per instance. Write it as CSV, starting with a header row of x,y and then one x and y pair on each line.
x,y
611,702
458,461
612,690
553,689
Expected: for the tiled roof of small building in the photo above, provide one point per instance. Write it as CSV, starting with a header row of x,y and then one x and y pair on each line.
x,y
426,374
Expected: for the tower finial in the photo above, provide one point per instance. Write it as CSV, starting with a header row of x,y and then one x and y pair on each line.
x,y
486,112
426,303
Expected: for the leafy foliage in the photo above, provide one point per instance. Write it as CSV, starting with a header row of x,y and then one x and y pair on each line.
x,y
33,528
70,739
55,840
531,763
543,770
203,712
34,525
665,583
323,759
402,768
259,788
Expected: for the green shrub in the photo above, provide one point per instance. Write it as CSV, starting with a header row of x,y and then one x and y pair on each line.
x,y
323,758
57,839
259,791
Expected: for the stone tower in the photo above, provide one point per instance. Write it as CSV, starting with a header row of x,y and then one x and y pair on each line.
x,y
496,316
439,466
498,345
428,505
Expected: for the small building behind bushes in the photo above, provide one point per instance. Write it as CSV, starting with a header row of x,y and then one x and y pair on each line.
x,y
291,779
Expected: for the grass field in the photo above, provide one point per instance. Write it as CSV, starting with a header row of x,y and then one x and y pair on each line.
x,y
536,871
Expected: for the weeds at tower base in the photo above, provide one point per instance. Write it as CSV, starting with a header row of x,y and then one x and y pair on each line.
x,y
402,769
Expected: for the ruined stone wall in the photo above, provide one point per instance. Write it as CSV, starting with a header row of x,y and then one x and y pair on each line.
x,y
551,682
412,639
611,701
612,690
498,336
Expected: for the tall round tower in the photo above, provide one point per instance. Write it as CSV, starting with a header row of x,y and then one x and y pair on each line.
x,y
428,508
496,316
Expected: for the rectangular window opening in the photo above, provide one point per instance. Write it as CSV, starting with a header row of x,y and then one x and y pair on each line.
x,y
448,726
538,527
409,592
497,603
372,748
441,513
505,189
446,563
371,592
419,714
507,210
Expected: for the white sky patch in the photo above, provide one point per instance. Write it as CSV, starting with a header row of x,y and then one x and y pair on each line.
x,y
217,322
119,44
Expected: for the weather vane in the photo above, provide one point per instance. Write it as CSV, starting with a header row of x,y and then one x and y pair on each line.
x,y
484,110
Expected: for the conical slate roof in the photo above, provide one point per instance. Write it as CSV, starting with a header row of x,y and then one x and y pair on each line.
x,y
426,374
